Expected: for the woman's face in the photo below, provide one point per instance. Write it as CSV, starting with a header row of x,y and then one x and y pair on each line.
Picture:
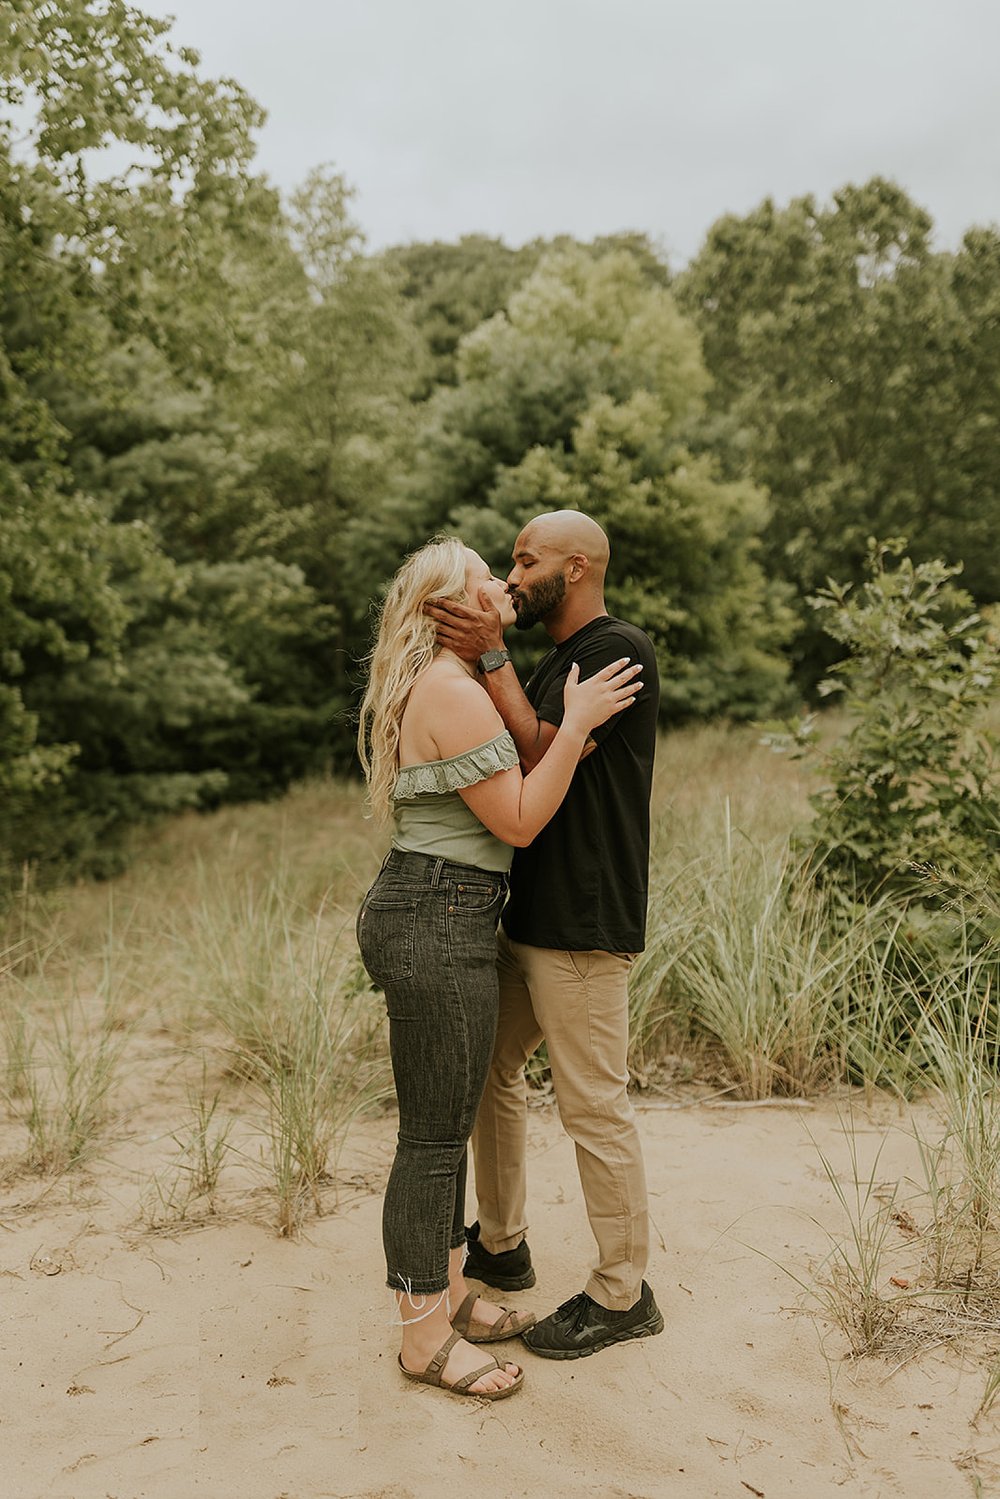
x,y
478,577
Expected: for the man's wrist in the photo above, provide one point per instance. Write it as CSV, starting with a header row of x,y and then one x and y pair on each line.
x,y
492,660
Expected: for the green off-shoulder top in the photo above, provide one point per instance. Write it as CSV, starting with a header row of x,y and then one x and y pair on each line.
x,y
429,816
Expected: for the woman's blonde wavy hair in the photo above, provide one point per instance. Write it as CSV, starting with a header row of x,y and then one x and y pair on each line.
x,y
404,648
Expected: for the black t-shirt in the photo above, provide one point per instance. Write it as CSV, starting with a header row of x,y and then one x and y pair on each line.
x,y
582,884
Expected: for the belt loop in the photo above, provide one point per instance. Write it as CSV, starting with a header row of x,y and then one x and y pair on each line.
x,y
436,872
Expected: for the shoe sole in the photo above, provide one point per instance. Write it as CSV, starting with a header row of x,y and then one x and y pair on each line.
x,y
523,1282
645,1330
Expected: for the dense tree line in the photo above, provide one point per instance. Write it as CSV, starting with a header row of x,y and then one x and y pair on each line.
x,y
223,422
856,377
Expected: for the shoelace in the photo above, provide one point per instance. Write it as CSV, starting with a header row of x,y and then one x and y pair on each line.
x,y
577,1308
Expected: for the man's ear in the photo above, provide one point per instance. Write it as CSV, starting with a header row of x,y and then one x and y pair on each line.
x,y
579,566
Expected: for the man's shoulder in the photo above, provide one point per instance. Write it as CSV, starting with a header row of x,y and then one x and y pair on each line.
x,y
613,631
628,630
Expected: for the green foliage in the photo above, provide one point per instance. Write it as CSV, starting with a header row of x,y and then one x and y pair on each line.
x,y
345,415
579,395
223,423
103,72
913,786
452,288
855,377
160,646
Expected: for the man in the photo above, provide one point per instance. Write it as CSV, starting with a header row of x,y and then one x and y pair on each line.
x,y
574,923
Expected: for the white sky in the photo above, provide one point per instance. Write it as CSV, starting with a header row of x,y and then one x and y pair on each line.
x,y
538,117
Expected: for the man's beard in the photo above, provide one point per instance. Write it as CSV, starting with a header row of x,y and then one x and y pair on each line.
x,y
539,600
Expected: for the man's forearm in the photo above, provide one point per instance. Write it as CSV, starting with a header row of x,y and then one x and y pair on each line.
x,y
526,730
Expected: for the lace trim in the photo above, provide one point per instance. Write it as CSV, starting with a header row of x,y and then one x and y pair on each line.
x,y
438,777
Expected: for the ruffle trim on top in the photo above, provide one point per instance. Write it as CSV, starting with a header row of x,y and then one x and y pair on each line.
x,y
438,777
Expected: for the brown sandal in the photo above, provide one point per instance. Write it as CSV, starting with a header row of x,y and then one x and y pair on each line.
x,y
510,1325
432,1374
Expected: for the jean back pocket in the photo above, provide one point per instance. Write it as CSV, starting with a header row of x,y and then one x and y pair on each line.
x,y
387,938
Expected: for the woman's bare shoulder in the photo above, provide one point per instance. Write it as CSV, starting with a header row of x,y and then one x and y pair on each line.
x,y
449,710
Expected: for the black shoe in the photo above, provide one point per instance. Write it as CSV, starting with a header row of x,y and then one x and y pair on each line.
x,y
509,1271
580,1327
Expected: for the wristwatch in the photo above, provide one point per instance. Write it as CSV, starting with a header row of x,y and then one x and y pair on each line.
x,y
491,660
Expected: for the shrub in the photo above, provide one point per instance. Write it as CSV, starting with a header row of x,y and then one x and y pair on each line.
x,y
913,799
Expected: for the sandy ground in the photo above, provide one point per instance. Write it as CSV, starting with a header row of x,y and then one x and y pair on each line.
x,y
226,1362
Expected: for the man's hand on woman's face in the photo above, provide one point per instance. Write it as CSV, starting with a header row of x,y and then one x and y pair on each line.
x,y
467,631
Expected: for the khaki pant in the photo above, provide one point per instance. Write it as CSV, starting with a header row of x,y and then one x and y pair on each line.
x,y
577,1001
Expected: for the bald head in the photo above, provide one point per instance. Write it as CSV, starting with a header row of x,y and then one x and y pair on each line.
x,y
558,575
569,533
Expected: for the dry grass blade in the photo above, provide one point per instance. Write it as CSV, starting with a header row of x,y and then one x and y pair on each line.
x,y
850,1294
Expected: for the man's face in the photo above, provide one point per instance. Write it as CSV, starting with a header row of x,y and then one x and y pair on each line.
x,y
536,582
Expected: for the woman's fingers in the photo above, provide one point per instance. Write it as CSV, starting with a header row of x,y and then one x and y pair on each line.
x,y
627,681
619,671
610,690
613,667
622,668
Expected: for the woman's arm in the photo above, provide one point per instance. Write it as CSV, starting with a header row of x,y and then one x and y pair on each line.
x,y
513,806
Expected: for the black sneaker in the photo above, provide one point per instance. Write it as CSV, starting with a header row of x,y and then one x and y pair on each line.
x,y
580,1326
509,1271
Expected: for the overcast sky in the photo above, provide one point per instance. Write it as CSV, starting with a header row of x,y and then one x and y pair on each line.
x,y
536,117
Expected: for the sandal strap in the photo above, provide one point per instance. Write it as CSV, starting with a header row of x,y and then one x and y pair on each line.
x,y
436,1366
463,1384
463,1316
508,1316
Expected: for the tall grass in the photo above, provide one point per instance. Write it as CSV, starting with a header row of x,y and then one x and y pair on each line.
x,y
951,1220
305,1032
63,1030
850,1285
960,1040
187,1190
746,955
58,1082
228,934
29,931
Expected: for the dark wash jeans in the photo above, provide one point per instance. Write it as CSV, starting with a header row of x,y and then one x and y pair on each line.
x,y
427,934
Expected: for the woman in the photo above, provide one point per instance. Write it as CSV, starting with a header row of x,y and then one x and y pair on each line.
x,y
442,767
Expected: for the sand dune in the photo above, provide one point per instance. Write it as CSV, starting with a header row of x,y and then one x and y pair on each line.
x,y
227,1362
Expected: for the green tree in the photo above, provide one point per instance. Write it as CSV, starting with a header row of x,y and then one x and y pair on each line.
x,y
452,288
124,649
855,377
340,422
579,395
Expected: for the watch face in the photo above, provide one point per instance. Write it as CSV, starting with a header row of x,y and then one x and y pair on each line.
x,y
490,660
